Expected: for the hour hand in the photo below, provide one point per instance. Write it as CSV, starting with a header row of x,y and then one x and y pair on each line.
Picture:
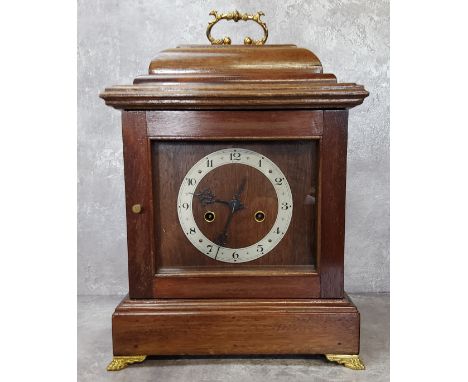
x,y
208,197
223,202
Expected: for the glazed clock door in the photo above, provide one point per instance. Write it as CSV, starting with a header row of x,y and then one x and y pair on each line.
x,y
230,204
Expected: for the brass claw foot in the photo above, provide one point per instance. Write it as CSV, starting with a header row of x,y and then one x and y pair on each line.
x,y
350,361
121,362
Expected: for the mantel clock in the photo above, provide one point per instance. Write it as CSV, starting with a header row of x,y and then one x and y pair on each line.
x,y
235,176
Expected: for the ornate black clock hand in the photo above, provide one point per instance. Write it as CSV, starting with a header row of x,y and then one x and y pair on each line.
x,y
235,205
208,197
222,238
241,189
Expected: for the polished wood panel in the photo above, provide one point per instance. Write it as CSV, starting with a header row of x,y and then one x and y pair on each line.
x,y
234,125
235,77
138,190
216,327
208,62
245,96
332,200
251,77
226,285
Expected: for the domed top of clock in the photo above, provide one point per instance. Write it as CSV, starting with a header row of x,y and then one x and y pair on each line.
x,y
225,76
230,63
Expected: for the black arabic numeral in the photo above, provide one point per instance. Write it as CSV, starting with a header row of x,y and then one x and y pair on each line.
x,y
235,256
192,231
191,181
235,156
186,206
209,163
210,248
285,206
260,248
279,181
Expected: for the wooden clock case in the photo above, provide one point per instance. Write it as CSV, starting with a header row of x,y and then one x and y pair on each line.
x,y
235,93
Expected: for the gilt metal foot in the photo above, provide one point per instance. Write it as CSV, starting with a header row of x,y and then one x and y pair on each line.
x,y
350,361
121,362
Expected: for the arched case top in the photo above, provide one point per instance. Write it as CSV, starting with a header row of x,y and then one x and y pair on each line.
x,y
235,77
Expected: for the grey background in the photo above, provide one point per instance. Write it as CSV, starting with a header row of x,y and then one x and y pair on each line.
x,y
118,39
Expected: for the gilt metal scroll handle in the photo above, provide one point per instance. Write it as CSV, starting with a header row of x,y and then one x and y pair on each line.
x,y
236,16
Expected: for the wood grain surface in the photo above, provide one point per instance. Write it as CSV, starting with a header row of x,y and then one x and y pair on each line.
x,y
249,95
235,77
332,201
234,125
216,327
205,62
138,190
232,284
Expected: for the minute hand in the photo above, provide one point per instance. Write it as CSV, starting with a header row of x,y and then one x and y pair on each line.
x,y
222,238
240,190
235,205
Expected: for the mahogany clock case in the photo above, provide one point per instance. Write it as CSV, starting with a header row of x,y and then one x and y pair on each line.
x,y
264,309
274,100
163,263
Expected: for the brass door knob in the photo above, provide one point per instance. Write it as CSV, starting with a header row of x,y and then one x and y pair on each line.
x,y
136,208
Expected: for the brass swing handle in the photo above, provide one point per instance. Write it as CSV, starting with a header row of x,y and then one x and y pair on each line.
x,y
236,16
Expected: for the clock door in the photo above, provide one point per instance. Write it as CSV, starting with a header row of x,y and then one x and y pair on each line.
x,y
229,204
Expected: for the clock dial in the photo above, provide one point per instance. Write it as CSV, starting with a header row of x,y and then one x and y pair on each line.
x,y
235,205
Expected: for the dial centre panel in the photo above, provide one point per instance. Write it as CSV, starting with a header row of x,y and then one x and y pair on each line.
x,y
258,194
